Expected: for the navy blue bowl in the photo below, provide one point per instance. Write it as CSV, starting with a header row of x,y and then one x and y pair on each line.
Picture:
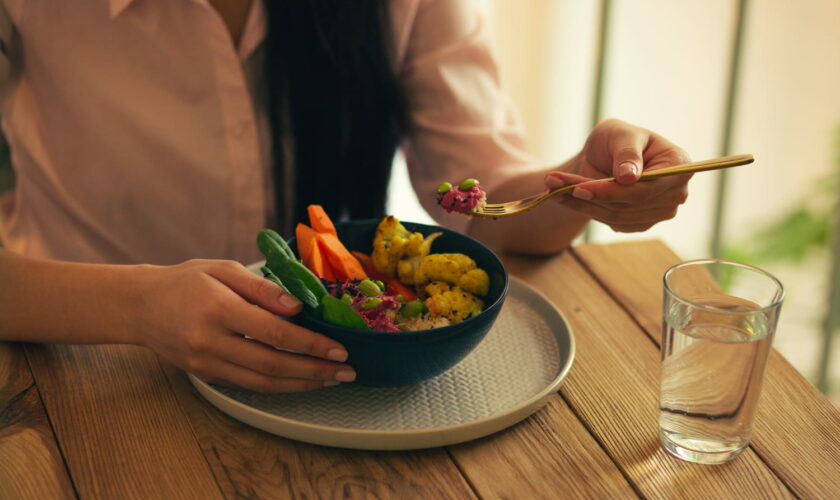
x,y
384,359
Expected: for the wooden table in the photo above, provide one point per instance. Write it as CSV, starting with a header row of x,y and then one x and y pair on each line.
x,y
115,422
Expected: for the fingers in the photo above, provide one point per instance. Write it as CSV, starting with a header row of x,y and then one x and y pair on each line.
x,y
267,328
253,288
610,192
625,219
628,145
268,361
227,374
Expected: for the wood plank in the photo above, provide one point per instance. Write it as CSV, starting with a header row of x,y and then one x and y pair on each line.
x,y
31,465
614,385
797,430
122,431
251,463
549,455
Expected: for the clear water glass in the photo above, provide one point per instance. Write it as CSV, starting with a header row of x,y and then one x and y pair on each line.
x,y
719,319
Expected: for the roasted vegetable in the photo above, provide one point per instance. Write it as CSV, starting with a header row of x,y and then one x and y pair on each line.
x,y
448,267
455,304
475,281
397,251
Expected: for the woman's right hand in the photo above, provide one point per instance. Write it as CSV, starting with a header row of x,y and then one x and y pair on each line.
x,y
196,315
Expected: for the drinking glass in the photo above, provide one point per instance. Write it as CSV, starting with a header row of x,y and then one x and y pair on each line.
x,y
719,318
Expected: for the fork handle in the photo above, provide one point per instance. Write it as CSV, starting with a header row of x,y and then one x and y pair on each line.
x,y
697,166
685,168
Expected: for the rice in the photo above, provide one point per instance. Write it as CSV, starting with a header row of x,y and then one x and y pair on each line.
x,y
424,322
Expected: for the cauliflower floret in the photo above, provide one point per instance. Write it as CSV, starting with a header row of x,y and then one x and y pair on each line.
x,y
388,244
397,250
475,281
405,271
437,287
446,267
455,304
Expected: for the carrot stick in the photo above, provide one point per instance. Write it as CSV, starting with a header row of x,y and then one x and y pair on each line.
x,y
342,261
304,235
320,221
310,252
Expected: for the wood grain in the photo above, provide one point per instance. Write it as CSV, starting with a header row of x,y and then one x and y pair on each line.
x,y
31,465
797,430
549,455
250,463
613,387
121,430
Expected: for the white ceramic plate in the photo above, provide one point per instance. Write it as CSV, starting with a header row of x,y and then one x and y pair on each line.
x,y
512,373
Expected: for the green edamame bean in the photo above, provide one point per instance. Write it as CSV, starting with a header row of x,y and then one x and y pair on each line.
x,y
444,187
380,285
467,184
347,299
371,303
412,309
369,288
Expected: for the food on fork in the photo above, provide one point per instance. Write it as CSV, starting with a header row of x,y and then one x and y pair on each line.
x,y
463,198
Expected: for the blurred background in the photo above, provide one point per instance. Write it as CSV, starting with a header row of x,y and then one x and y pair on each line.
x,y
716,77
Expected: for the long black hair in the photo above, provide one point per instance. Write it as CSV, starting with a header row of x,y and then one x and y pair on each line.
x,y
336,107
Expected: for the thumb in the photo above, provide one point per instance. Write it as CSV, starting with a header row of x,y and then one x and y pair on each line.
x,y
627,156
257,290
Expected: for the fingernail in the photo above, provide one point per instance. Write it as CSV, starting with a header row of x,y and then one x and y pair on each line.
x,y
336,354
627,168
289,300
553,182
345,375
583,194
330,383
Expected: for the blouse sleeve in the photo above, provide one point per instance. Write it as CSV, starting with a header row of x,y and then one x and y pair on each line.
x,y
462,124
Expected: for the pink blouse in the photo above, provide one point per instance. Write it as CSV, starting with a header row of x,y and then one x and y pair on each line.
x,y
138,130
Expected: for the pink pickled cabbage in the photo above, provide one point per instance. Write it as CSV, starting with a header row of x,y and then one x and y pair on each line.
x,y
462,202
377,318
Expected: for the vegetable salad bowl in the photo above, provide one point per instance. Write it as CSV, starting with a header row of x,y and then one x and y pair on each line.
x,y
386,359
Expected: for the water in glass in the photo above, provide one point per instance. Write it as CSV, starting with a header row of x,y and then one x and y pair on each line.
x,y
713,360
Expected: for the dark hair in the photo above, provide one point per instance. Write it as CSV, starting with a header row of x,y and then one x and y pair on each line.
x,y
336,108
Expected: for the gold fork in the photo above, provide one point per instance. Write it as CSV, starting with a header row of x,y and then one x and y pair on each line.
x,y
494,210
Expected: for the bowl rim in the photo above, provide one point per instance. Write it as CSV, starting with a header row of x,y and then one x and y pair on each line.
x,y
442,331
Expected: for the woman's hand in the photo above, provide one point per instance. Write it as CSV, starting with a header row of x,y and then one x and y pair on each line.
x,y
617,149
196,316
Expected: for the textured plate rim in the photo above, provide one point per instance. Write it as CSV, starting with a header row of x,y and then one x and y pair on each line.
x,y
373,439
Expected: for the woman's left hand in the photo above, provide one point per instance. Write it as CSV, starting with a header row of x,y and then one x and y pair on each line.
x,y
617,149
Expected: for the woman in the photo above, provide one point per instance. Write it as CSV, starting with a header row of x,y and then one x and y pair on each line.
x,y
150,132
